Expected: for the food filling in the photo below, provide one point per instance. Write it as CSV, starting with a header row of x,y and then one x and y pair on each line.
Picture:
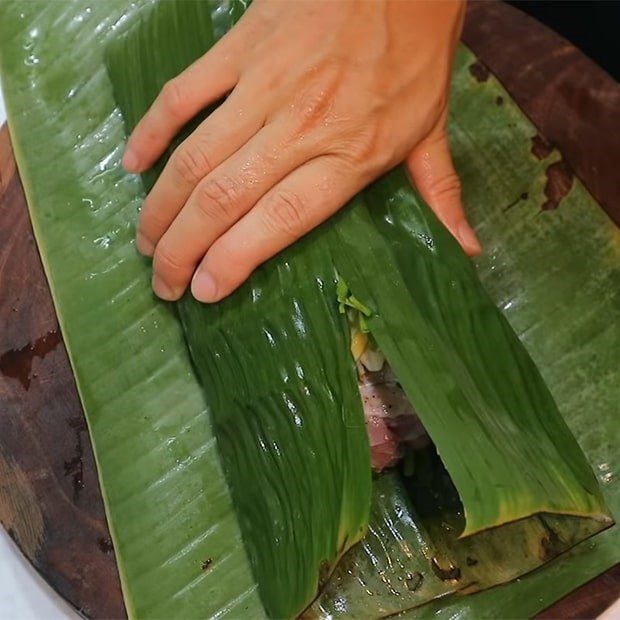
x,y
391,422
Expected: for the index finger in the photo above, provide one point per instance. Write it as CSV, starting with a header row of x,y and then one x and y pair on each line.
x,y
203,82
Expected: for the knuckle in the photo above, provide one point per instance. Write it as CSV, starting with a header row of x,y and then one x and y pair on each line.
x,y
364,144
286,213
173,97
366,151
152,221
191,163
446,186
217,199
314,105
167,260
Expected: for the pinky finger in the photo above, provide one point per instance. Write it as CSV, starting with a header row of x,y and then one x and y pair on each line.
x,y
299,203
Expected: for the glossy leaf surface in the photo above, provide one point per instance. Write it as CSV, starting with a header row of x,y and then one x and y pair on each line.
x,y
83,209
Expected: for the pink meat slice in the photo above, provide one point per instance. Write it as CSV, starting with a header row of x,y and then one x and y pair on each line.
x,y
391,421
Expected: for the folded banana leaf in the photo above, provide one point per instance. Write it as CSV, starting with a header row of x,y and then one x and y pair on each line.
x,y
282,388
169,509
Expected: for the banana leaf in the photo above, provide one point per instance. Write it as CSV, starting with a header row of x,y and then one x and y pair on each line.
x,y
169,508
476,389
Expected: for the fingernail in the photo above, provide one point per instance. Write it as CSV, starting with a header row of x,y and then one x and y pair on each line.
x,y
468,239
204,287
131,162
162,290
145,247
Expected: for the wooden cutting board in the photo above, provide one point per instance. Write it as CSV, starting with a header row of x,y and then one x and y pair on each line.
x,y
50,502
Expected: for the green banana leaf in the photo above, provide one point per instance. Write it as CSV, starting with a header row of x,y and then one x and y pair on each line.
x,y
168,506
492,417
82,206
476,390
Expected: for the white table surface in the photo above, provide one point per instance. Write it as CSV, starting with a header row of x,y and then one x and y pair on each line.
x,y
23,593
25,596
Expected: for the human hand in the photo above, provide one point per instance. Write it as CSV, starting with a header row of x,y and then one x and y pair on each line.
x,y
324,97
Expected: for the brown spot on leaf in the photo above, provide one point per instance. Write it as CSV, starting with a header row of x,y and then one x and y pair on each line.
x,y
559,183
522,196
448,573
19,510
499,100
17,363
413,581
551,544
479,71
471,561
205,564
541,148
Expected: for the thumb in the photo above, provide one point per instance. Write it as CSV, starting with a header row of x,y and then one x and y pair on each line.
x,y
432,171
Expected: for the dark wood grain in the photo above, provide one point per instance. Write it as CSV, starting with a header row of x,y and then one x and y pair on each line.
x,y
49,495
588,601
50,502
571,100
